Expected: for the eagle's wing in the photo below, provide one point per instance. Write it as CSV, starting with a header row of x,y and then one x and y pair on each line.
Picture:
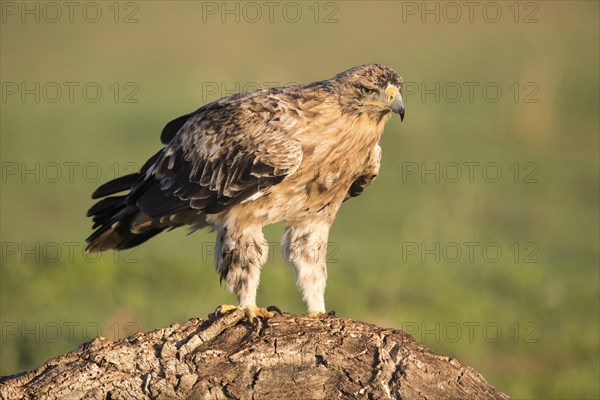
x,y
218,157
368,175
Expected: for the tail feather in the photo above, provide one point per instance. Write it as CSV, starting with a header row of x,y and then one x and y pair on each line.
x,y
103,210
115,186
125,182
127,220
118,237
114,218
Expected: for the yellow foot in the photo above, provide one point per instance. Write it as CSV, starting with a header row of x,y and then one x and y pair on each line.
x,y
224,309
319,314
253,314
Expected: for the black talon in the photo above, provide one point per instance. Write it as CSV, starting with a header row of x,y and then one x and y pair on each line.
x,y
275,309
218,311
331,313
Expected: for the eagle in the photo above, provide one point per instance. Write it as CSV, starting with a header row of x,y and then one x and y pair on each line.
x,y
293,153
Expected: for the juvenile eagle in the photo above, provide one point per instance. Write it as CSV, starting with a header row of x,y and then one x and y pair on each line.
x,y
292,154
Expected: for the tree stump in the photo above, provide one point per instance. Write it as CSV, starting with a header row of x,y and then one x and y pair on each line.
x,y
286,357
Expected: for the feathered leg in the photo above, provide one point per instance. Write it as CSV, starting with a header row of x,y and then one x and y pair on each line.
x,y
305,248
239,258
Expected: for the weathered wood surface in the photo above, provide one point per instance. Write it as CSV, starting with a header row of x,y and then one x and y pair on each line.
x,y
287,357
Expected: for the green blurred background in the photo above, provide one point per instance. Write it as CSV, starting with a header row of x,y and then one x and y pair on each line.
x,y
527,319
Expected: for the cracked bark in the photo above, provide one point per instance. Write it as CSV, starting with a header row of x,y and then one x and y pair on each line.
x,y
289,357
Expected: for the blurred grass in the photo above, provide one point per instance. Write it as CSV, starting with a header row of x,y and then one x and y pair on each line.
x,y
548,311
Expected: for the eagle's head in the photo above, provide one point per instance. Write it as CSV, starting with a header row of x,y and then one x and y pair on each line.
x,y
370,88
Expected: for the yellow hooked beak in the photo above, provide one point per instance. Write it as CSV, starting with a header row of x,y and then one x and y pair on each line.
x,y
394,100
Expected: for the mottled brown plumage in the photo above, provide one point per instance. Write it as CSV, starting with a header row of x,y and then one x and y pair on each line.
x,y
290,154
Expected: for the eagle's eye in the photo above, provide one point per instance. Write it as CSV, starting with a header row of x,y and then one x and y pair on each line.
x,y
367,91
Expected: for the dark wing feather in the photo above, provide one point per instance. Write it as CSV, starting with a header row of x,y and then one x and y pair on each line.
x,y
214,158
125,182
117,185
219,157
171,128
359,185
369,174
